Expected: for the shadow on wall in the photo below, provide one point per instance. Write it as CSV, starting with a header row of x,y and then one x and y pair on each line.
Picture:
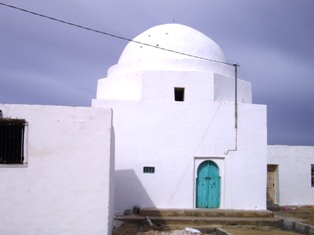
x,y
129,191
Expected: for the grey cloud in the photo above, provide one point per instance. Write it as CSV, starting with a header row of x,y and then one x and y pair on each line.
x,y
45,62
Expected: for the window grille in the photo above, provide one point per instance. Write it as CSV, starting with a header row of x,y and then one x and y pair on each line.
x,y
12,141
149,169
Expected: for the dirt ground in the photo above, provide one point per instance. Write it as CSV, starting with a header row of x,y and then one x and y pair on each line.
x,y
234,230
247,230
305,214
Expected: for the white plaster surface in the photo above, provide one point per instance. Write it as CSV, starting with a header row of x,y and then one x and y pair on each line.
x,y
294,173
159,85
66,187
225,89
168,136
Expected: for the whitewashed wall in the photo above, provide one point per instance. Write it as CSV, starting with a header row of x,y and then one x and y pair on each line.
x,y
294,173
172,137
67,185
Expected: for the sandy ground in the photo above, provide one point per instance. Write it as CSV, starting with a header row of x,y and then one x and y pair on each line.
x,y
234,230
243,230
305,214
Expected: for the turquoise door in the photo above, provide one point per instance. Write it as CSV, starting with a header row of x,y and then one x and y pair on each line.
x,y
208,185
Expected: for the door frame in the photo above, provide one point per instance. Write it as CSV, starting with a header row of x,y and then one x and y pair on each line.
x,y
276,196
220,162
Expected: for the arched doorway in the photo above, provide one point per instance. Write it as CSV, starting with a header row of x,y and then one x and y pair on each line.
x,y
208,185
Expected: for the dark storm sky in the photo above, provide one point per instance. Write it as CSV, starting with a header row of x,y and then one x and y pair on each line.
x,y
46,62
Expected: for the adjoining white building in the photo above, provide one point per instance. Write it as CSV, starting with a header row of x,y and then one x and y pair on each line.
x,y
62,179
176,140
290,175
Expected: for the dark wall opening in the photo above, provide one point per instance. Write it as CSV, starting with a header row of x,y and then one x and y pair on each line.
x,y
179,94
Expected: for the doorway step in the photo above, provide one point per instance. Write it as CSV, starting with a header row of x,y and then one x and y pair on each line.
x,y
273,207
201,217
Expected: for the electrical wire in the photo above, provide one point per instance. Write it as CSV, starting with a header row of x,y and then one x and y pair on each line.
x,y
112,35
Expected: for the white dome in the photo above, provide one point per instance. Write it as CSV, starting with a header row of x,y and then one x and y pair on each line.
x,y
148,73
175,37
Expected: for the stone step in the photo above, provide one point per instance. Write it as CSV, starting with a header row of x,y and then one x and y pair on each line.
x,y
273,207
200,221
205,213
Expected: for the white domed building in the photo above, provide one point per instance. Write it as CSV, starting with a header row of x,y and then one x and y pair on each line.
x,y
165,131
180,140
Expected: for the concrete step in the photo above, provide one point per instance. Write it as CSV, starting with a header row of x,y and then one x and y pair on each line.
x,y
206,213
201,217
200,221
273,207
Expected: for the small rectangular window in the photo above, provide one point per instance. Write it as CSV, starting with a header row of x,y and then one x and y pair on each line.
x,y
312,175
12,141
179,93
149,169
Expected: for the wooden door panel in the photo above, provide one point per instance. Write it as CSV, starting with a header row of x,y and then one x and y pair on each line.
x,y
208,185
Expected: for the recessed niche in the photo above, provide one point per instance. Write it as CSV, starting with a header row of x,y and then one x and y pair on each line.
x,y
179,94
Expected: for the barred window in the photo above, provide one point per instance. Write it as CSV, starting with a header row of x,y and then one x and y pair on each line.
x,y
12,141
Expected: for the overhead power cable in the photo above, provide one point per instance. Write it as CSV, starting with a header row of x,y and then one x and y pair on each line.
x,y
112,35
